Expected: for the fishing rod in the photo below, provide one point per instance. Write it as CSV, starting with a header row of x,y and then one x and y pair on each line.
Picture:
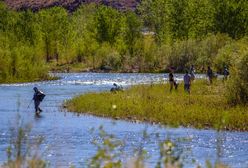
x,y
29,103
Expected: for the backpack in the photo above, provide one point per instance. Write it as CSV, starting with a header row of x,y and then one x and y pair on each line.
x,y
226,72
41,96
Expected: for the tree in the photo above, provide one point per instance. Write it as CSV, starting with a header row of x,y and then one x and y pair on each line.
x,y
156,16
84,25
200,18
109,24
237,84
231,17
54,27
133,30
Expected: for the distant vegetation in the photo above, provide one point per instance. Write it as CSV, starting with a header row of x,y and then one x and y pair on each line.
x,y
205,107
157,35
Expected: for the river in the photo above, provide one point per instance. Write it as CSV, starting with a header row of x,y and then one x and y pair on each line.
x,y
67,136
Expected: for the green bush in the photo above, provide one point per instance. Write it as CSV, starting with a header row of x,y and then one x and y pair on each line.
x,y
200,52
237,85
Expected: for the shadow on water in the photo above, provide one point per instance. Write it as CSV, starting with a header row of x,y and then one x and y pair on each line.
x,y
38,116
67,136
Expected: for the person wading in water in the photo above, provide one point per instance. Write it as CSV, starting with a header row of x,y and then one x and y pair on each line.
x,y
38,97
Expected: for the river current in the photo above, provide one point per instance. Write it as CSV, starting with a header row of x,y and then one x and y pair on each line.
x,y
67,136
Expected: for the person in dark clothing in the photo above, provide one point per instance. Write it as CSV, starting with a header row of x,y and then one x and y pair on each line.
x,y
225,73
192,72
187,82
38,97
116,88
172,82
210,75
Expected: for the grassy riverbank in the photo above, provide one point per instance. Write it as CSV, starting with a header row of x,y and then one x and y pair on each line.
x,y
24,80
206,107
12,81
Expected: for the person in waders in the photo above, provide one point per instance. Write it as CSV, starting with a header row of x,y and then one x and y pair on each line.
x,y
38,97
172,82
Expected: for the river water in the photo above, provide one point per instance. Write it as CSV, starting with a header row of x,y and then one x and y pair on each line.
x,y
68,139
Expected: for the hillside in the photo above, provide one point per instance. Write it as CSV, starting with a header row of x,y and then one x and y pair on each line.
x,y
71,5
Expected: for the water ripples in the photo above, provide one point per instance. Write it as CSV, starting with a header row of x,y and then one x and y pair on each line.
x,y
67,136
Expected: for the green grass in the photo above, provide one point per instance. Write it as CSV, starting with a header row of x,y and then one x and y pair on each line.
x,y
205,107
21,80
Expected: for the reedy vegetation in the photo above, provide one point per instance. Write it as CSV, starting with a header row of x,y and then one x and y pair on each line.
x,y
186,32
23,151
205,107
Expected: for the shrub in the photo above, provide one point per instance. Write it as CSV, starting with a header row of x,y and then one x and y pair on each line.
x,y
237,85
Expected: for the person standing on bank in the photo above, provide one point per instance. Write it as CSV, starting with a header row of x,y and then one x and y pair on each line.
x,y
172,82
192,72
210,75
38,97
187,82
225,73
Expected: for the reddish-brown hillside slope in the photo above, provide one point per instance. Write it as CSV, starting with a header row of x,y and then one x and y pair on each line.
x,y
71,5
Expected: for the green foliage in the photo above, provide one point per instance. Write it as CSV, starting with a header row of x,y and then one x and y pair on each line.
x,y
234,56
109,23
200,16
133,31
231,17
20,58
178,16
184,19
168,155
108,56
237,84
206,106
180,19
20,62
183,53
55,29
156,17
208,49
83,21
108,151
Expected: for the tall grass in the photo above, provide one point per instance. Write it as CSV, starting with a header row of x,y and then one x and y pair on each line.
x,y
23,149
110,152
205,107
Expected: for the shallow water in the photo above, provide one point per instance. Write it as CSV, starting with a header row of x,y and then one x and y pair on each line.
x,y
67,136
